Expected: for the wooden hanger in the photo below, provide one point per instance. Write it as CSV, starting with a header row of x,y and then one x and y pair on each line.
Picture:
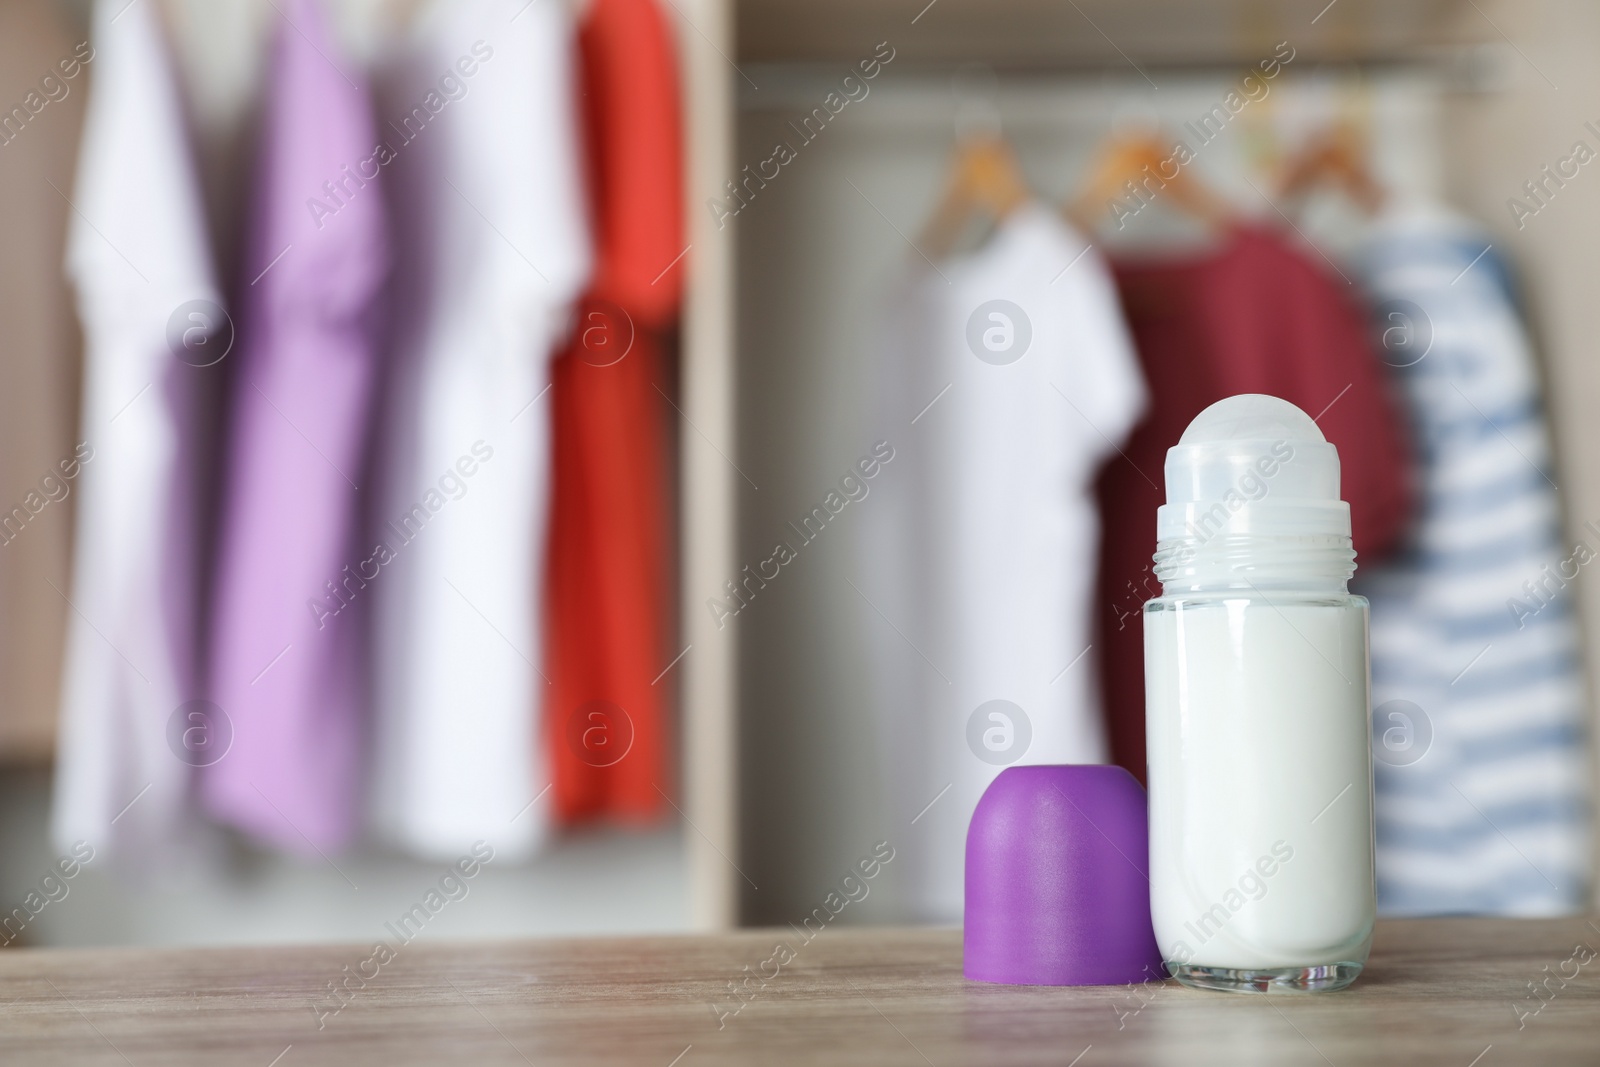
x,y
1336,157
1152,167
984,179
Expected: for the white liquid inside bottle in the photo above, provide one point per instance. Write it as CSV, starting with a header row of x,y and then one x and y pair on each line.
x,y
1257,710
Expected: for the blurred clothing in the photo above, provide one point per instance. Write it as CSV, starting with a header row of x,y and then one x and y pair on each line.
x,y
1254,315
288,659
491,249
1477,686
39,369
138,255
610,614
1007,378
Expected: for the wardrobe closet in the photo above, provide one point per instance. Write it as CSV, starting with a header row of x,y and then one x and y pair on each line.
x,y
1463,101
779,784
226,64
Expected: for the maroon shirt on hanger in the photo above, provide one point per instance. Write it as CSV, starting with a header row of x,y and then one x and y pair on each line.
x,y
1255,315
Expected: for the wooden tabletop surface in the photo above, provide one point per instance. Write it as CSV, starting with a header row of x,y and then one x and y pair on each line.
x,y
1446,991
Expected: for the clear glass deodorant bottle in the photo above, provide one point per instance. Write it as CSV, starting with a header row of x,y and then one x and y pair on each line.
x,y
1257,710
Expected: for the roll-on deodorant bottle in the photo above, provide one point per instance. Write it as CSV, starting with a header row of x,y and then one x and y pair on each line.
x,y
1257,710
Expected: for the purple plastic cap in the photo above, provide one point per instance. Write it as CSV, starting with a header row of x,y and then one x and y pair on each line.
x,y
1058,887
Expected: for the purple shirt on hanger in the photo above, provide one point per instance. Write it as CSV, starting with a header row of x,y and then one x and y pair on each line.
x,y
287,659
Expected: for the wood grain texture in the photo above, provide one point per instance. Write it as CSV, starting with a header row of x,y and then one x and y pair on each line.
x,y
709,480
1437,991
39,372
1113,34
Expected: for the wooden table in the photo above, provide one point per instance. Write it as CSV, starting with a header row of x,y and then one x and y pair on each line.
x,y
1447,991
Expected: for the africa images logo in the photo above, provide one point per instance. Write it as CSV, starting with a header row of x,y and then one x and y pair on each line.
x,y
999,332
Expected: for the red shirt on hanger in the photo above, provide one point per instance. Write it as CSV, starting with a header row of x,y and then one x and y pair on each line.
x,y
609,591
1253,316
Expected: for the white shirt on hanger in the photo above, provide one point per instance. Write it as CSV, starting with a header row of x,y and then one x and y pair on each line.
x,y
138,253
493,248
983,549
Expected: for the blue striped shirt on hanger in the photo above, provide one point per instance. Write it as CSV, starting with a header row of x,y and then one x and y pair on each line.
x,y
1477,684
